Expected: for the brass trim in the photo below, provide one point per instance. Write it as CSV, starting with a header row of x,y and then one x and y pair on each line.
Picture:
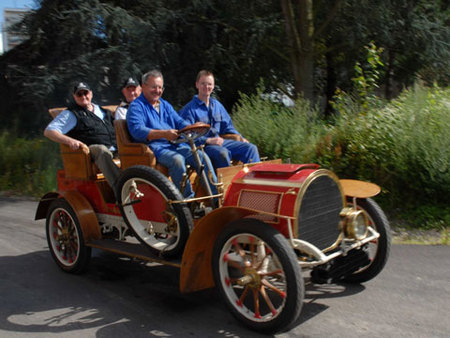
x,y
193,199
314,175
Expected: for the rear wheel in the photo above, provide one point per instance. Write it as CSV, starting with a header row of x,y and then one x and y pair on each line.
x,y
144,199
258,275
378,249
65,238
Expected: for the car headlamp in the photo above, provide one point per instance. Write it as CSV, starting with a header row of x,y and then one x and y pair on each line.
x,y
354,223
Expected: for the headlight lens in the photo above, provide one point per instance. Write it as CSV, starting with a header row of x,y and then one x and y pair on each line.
x,y
360,225
354,223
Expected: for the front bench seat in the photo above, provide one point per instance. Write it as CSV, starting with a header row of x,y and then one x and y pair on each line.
x,y
132,153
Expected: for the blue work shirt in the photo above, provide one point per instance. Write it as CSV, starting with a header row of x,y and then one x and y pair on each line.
x,y
214,115
142,118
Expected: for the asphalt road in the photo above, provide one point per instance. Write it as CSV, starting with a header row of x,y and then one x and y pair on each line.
x,y
120,298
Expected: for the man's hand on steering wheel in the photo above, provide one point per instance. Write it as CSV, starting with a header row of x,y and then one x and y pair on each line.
x,y
171,134
192,132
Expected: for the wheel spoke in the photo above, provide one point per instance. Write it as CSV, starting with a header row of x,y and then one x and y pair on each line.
x,y
267,300
271,273
240,301
239,249
252,250
236,265
267,284
256,303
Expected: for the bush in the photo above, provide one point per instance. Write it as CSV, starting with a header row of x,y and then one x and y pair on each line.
x,y
277,130
403,146
28,167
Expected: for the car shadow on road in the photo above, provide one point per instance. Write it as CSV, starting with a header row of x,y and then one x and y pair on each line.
x,y
117,297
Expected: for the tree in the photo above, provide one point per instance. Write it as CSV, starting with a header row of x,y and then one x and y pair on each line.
x,y
300,47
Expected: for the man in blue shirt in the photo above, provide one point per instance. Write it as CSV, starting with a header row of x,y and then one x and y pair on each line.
x,y
153,120
204,108
84,125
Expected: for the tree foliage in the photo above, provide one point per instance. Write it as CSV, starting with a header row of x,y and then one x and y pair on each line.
x,y
294,46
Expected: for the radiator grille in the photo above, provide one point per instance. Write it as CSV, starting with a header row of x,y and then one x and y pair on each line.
x,y
263,201
319,212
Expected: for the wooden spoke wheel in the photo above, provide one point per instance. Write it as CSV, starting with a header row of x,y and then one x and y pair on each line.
x,y
65,238
258,275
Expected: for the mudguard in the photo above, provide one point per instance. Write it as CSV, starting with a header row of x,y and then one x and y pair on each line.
x,y
82,208
359,189
196,268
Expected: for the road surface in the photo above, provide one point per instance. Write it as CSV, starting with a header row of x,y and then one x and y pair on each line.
x,y
120,298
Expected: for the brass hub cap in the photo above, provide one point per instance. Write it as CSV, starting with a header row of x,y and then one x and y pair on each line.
x,y
250,278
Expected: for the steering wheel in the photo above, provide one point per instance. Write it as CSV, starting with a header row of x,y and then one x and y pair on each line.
x,y
192,132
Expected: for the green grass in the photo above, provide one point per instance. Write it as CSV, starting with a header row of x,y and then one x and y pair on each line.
x,y
28,167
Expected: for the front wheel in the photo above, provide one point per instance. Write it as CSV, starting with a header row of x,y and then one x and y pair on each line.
x,y
258,275
65,238
378,249
145,200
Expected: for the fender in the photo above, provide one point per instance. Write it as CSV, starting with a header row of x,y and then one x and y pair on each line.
x,y
359,189
196,265
82,208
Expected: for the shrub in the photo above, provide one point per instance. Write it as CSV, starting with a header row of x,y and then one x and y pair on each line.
x,y
28,166
403,146
279,131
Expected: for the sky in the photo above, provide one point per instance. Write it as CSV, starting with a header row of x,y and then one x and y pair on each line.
x,y
12,4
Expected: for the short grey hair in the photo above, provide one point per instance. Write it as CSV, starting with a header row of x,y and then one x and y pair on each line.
x,y
152,73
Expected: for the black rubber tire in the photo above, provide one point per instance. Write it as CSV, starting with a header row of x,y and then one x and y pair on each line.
x,y
381,253
288,307
65,238
168,191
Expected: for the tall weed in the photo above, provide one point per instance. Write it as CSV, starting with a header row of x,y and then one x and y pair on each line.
x,y
403,146
27,167
279,131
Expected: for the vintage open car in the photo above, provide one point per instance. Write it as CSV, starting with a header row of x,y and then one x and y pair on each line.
x,y
270,226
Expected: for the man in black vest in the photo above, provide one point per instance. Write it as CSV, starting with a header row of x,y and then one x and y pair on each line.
x,y
84,125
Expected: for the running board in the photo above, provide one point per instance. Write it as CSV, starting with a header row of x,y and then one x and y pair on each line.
x,y
133,250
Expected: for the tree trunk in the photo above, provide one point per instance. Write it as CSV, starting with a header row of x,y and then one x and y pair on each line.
x,y
331,84
300,44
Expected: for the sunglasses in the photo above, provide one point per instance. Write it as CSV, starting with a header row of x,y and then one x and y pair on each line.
x,y
82,93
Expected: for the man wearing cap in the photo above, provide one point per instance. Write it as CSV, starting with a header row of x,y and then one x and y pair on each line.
x,y
204,108
130,90
84,125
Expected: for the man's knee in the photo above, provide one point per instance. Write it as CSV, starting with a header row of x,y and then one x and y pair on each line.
x,y
224,154
253,148
99,150
178,162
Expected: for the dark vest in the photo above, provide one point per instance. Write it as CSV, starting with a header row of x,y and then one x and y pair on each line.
x,y
90,129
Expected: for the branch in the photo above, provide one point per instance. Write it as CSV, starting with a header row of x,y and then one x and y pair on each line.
x,y
330,17
291,28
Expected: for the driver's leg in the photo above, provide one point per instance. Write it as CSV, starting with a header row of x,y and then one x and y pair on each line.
x,y
175,162
187,153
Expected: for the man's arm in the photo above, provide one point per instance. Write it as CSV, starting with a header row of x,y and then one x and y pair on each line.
x,y
58,137
141,131
169,134
61,125
226,127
